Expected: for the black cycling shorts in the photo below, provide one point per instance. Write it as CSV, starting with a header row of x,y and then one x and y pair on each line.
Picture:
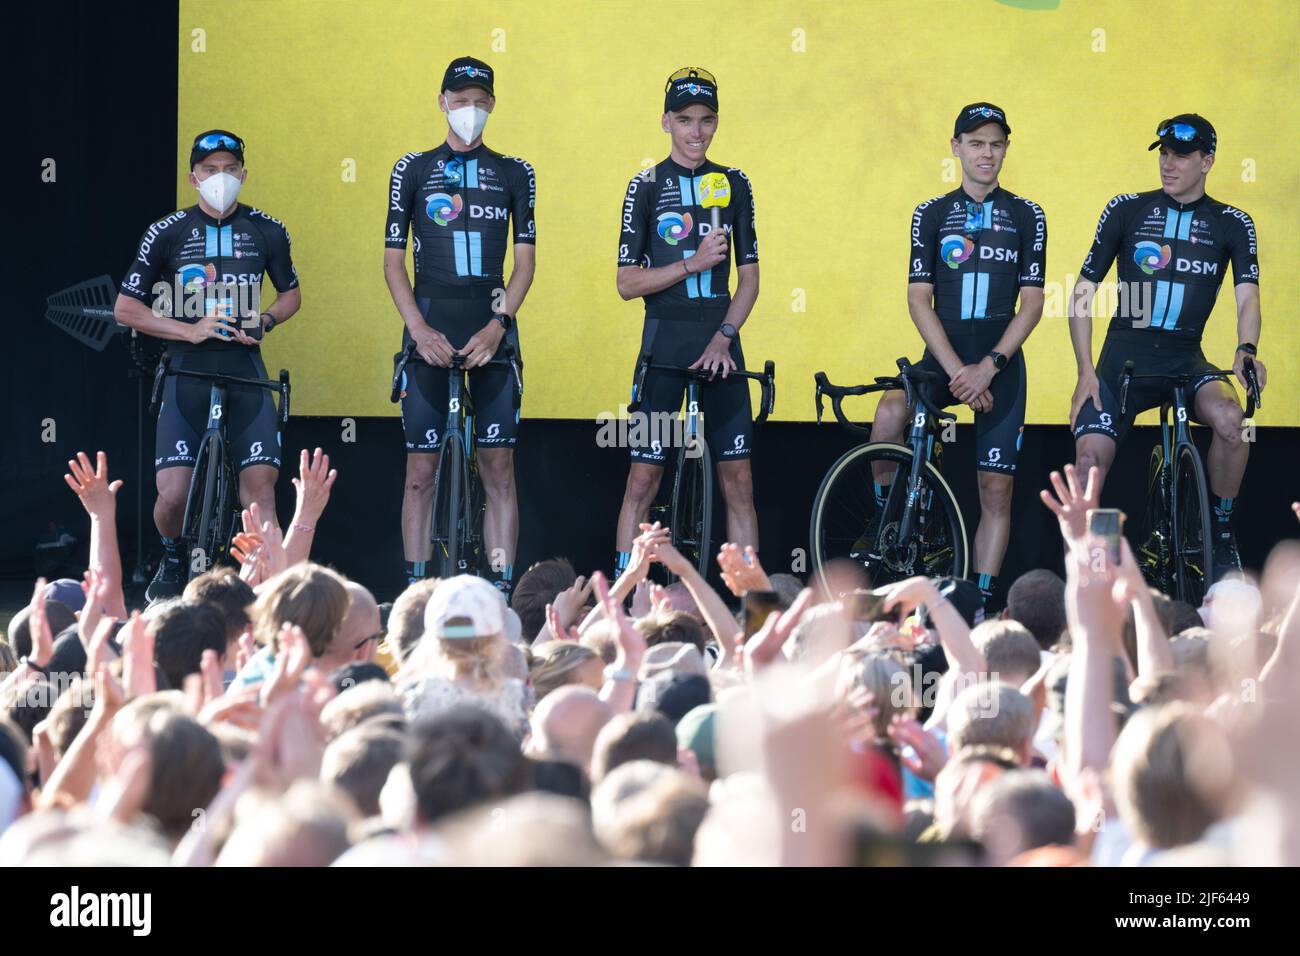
x,y
425,387
1149,356
728,421
998,432
252,422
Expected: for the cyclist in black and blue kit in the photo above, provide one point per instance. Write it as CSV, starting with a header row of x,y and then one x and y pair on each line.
x,y
670,256
196,281
463,204
975,293
1174,246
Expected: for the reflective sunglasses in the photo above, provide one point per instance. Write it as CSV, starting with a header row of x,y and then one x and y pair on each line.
x,y
690,73
1184,132
219,141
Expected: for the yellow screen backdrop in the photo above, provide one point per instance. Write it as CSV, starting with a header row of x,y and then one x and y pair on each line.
x,y
839,113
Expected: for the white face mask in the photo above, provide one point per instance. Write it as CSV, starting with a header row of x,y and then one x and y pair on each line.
x,y
219,190
467,122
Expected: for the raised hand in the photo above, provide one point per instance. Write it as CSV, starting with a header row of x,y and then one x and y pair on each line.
x,y
741,571
1072,502
765,646
291,660
559,631
927,755
315,480
39,627
137,639
631,643
91,485
570,601
905,596
271,552
643,551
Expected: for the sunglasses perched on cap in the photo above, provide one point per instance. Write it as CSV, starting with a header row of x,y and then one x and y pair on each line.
x,y
690,73
1183,132
219,141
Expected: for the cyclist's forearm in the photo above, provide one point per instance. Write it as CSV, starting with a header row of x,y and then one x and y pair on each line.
x,y
399,287
742,302
285,306
927,323
521,280
1022,323
634,282
134,314
1249,322
1079,311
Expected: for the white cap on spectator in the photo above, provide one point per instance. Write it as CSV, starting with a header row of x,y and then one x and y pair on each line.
x,y
464,596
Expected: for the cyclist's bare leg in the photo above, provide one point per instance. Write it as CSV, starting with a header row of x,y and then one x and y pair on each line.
x,y
417,506
1218,407
642,486
169,508
1094,450
737,481
889,424
496,469
995,522
257,484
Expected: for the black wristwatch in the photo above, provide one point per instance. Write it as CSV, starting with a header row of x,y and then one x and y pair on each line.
x,y
999,360
1248,348
27,659
728,330
269,324
505,320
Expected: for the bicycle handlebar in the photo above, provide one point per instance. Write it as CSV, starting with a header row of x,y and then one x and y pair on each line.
x,y
1186,378
766,379
505,356
909,380
165,369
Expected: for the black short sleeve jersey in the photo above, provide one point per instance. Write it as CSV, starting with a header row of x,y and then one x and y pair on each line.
x,y
1172,258
460,209
663,223
189,263
978,255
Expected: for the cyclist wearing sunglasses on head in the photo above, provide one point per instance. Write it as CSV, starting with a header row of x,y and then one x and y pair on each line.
x,y
463,203
196,281
671,255
975,293
1173,246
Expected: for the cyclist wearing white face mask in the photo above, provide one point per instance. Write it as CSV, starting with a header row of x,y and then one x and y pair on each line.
x,y
463,203
196,281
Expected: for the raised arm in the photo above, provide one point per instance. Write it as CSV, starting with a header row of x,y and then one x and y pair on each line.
x,y
99,497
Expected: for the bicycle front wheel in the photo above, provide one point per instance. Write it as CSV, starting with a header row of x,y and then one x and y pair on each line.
x,y
448,508
1154,550
1191,527
692,507
203,517
850,523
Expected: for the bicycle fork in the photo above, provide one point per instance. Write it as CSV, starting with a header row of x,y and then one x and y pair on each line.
x,y
920,443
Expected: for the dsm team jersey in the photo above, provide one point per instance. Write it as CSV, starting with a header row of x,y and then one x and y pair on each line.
x,y
185,255
663,223
460,209
978,255
1172,258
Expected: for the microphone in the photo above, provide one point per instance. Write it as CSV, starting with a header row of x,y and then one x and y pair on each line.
x,y
715,194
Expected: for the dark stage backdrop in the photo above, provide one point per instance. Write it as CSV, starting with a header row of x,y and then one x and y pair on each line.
x,y
98,86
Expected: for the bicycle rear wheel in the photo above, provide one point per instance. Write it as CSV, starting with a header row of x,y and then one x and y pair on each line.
x,y
448,507
849,524
692,506
1191,527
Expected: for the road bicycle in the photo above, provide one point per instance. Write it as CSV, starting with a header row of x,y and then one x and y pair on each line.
x,y
689,516
456,527
918,527
1176,554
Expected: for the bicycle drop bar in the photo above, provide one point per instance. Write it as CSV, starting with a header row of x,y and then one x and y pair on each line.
x,y
505,356
1184,379
165,369
766,379
909,380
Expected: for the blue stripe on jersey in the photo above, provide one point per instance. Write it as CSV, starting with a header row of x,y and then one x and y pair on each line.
x,y
981,295
690,189
1171,223
471,174
692,281
227,241
209,240
986,221
1185,225
967,294
1175,305
1161,304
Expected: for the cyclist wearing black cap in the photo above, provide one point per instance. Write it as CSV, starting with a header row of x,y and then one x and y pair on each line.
x,y
975,293
462,203
670,256
1173,246
196,281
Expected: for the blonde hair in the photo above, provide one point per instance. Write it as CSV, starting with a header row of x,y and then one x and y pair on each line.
x,y
555,664
480,661
989,713
888,682
311,596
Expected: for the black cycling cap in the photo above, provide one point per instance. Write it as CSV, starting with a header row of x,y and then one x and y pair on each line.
x,y
1186,133
215,141
976,115
466,71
